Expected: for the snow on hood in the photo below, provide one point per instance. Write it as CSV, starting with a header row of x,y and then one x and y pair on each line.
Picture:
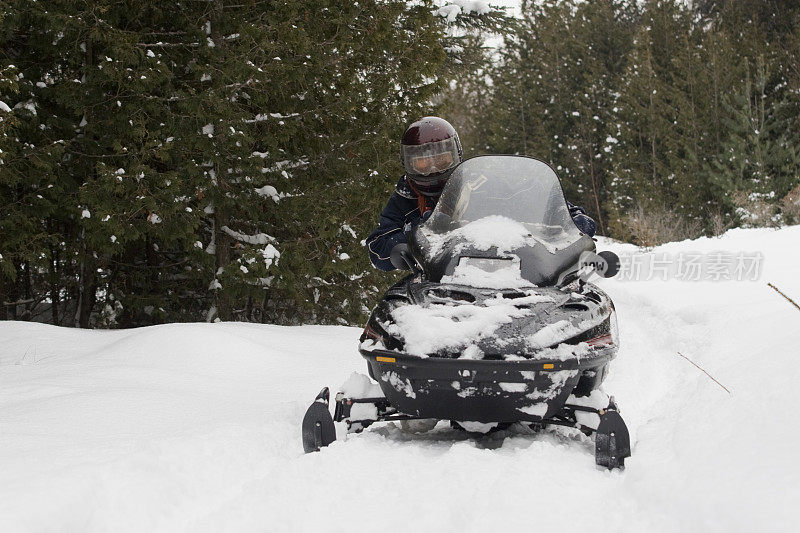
x,y
436,327
428,329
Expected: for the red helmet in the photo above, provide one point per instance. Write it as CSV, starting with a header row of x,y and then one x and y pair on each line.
x,y
430,150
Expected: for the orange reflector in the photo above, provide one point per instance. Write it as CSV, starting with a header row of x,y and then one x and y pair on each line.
x,y
385,359
548,366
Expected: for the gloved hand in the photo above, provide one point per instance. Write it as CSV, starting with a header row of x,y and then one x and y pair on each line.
x,y
585,224
411,226
401,257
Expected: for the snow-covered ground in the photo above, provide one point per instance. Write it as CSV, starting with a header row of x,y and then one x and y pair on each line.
x,y
196,427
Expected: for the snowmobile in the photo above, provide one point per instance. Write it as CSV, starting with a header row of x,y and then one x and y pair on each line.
x,y
498,323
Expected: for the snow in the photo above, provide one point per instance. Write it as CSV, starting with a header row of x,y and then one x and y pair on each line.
x,y
197,426
360,386
258,238
271,255
269,190
29,105
503,278
351,231
4,107
478,427
537,409
597,399
427,330
552,333
492,231
453,8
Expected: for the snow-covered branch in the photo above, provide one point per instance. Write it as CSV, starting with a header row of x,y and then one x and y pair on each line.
x,y
258,238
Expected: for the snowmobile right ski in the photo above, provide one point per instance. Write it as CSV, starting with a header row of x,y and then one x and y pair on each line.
x,y
612,441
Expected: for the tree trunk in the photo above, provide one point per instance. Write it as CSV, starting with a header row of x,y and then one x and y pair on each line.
x,y
223,257
88,298
54,286
87,287
26,280
596,192
4,297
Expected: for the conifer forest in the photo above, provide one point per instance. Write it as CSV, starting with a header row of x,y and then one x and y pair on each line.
x,y
201,160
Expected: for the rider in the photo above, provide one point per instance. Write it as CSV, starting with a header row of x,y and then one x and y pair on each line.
x,y
430,150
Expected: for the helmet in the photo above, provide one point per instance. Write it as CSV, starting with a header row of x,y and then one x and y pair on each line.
x,y
430,150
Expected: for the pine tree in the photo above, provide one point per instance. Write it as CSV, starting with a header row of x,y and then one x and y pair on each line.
x,y
202,160
657,114
554,90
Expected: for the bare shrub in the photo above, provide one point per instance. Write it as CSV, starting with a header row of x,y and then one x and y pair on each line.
x,y
658,225
718,223
757,210
790,205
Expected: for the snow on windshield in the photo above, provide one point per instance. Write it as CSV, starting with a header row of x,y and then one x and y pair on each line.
x,y
509,277
503,201
498,231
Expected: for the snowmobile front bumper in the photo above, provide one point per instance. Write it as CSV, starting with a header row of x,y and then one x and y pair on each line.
x,y
480,390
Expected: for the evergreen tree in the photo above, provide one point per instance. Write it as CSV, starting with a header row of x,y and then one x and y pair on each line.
x,y
202,160
554,90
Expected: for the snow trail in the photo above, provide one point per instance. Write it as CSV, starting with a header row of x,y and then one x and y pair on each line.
x,y
196,427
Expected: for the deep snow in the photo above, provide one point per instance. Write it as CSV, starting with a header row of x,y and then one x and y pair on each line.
x,y
196,426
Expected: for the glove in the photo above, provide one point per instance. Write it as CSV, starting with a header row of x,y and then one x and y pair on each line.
x,y
411,226
401,257
585,224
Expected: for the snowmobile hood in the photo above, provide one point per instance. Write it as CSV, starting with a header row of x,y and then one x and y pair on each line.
x,y
457,321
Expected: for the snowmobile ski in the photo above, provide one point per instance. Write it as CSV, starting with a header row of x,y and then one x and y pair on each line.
x,y
318,428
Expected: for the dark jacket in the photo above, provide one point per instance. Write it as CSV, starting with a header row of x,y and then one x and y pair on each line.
x,y
402,212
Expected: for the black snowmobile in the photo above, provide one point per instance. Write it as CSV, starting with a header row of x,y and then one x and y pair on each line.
x,y
498,323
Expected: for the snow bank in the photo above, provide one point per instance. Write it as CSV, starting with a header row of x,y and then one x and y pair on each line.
x,y
196,426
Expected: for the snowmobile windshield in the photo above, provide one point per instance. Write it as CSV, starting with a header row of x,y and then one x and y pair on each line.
x,y
508,207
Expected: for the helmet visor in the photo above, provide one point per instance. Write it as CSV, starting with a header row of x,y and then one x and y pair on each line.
x,y
430,158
